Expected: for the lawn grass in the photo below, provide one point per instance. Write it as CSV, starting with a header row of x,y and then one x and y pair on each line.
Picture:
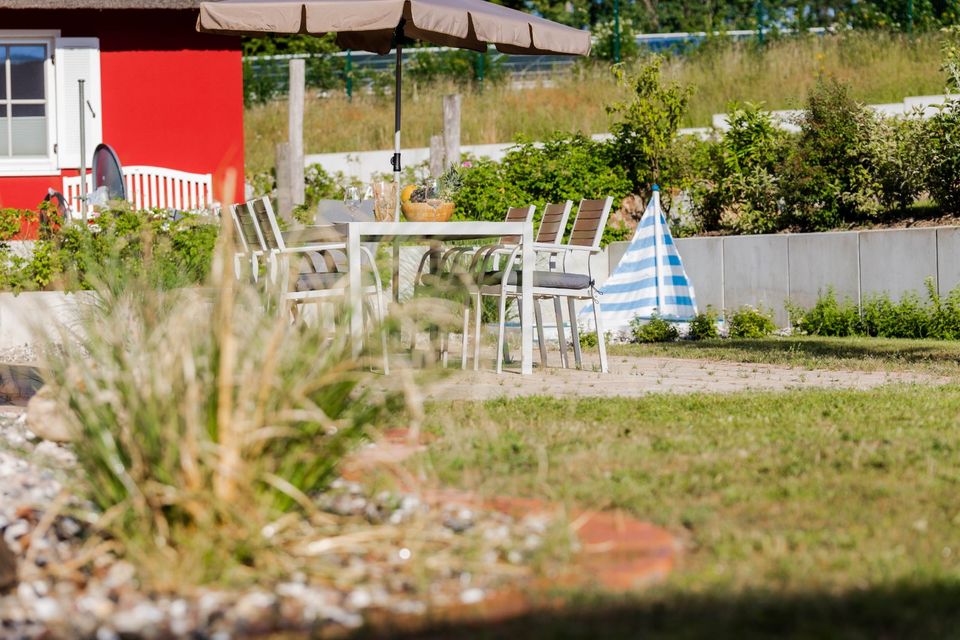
x,y
819,513
879,67
938,357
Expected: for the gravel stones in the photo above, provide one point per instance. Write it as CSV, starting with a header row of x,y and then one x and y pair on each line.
x,y
415,554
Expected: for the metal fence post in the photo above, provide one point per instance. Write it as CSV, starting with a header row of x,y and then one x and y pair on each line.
x,y
348,72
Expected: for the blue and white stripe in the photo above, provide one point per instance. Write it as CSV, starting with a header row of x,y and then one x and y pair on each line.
x,y
638,287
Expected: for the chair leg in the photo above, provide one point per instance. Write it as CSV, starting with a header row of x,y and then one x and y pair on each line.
x,y
557,309
575,333
382,312
506,344
538,314
600,338
465,336
501,322
477,326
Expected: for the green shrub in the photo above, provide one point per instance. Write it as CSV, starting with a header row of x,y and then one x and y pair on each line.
x,y
76,256
656,329
704,325
644,127
11,221
750,322
563,167
941,155
830,177
828,317
897,145
740,188
907,318
936,317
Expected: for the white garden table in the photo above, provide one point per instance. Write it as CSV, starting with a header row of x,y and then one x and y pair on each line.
x,y
358,232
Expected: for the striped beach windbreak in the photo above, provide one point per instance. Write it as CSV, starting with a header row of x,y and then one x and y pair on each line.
x,y
650,278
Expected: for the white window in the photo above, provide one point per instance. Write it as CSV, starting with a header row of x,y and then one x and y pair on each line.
x,y
40,104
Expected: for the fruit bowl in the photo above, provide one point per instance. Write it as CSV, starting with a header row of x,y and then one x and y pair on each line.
x,y
429,211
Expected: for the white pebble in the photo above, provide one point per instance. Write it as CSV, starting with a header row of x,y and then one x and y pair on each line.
x,y
472,596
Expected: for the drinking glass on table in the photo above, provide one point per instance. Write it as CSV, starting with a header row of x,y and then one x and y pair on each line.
x,y
352,199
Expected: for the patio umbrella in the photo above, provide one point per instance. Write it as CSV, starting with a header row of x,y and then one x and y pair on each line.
x,y
381,25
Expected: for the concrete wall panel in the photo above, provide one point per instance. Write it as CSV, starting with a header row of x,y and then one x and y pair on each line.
x,y
756,272
948,258
821,260
703,261
897,261
615,252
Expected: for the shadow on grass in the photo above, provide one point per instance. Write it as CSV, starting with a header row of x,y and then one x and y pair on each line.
x,y
906,351
904,611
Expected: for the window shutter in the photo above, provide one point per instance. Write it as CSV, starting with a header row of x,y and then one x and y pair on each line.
x,y
77,59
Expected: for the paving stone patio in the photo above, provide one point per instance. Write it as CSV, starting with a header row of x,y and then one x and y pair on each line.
x,y
637,377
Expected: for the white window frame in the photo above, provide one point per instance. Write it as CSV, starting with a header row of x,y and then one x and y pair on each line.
x,y
37,165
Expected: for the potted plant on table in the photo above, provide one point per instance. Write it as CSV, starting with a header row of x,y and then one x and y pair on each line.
x,y
431,202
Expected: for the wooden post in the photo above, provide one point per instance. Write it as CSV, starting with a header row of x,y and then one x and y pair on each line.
x,y
451,130
437,163
284,181
296,105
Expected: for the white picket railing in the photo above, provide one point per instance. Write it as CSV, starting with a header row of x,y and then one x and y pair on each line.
x,y
154,188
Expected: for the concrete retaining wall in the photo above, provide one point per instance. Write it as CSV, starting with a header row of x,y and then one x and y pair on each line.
x,y
726,272
731,271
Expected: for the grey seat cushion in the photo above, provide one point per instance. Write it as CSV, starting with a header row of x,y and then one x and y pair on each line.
x,y
545,279
446,279
328,280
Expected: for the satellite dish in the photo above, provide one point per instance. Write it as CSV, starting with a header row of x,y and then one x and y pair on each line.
x,y
107,172
60,202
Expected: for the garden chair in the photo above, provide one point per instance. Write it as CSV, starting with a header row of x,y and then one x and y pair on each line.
x,y
297,287
585,238
451,276
250,243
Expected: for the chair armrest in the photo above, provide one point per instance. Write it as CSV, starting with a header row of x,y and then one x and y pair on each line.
x,y
312,235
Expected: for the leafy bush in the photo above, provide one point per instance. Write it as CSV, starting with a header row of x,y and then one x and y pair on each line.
x,y
179,252
739,187
11,220
201,422
937,317
750,322
828,317
831,173
645,127
704,325
941,154
907,318
656,329
900,170
564,167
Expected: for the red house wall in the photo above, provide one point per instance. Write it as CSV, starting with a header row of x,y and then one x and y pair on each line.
x,y
172,97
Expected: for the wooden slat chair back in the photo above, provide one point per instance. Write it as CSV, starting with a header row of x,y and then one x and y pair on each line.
x,y
517,214
590,222
267,221
553,224
248,232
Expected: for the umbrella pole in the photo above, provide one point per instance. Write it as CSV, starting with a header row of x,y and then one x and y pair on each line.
x,y
396,129
396,170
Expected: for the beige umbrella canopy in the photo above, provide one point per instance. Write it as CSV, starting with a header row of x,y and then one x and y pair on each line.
x,y
370,25
382,25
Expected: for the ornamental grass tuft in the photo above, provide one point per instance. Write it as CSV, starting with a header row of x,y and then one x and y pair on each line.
x,y
205,421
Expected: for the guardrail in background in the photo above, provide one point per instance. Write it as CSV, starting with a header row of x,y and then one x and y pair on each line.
x,y
520,68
